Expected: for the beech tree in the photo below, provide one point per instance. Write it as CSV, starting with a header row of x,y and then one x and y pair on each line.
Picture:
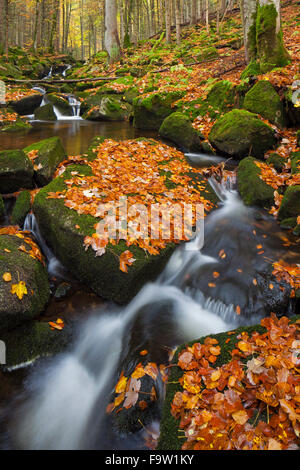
x,y
112,42
263,34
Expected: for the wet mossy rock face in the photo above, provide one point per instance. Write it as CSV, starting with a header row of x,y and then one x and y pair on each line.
x,y
60,102
21,208
9,125
240,133
50,154
45,113
264,100
2,209
16,171
107,108
22,267
102,274
178,129
150,112
253,190
290,205
27,105
170,435
33,340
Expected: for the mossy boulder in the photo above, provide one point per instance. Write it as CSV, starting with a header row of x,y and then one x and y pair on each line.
x,y
295,162
11,122
277,161
178,129
27,105
150,112
34,340
290,204
22,267
253,190
252,70
222,96
16,171
45,113
50,154
60,102
108,108
240,133
21,208
59,227
263,99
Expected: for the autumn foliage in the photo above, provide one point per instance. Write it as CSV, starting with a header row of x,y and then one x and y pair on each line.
x,y
249,403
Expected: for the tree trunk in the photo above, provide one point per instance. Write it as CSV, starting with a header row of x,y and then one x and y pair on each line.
x,y
263,34
112,42
178,18
194,12
168,20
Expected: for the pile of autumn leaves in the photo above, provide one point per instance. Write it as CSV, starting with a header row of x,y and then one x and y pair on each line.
x,y
249,403
145,173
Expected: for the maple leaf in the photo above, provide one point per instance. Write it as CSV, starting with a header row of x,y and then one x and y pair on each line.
x,y
126,259
19,289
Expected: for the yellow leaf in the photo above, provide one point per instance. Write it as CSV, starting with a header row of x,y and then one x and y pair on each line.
x,y
240,417
19,289
7,277
121,385
55,325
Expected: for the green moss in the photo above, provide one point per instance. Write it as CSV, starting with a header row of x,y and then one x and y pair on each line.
x,y
222,96
60,102
169,429
21,208
264,100
22,267
270,47
50,154
45,113
252,70
295,162
240,133
150,112
290,204
277,161
253,190
34,340
178,129
58,227
289,223
16,171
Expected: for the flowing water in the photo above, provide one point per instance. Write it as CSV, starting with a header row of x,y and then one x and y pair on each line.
x,y
63,402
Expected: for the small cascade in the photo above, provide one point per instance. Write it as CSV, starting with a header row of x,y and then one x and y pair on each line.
x,y
55,268
64,73
50,73
75,105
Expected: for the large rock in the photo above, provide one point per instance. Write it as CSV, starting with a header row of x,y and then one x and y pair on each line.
x,y
290,204
253,190
21,208
16,171
27,105
45,113
10,121
108,108
60,102
240,133
22,267
263,99
59,227
178,129
50,153
151,111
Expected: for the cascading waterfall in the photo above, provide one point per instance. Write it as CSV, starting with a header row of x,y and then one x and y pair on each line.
x,y
75,105
66,403
62,398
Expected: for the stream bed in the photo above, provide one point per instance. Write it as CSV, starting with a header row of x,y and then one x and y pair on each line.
x,y
60,402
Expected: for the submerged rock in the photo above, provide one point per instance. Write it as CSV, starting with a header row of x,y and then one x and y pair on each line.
x,y
23,268
50,153
240,133
16,171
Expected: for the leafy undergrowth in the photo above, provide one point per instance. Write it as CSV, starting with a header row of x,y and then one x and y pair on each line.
x,y
144,172
249,401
